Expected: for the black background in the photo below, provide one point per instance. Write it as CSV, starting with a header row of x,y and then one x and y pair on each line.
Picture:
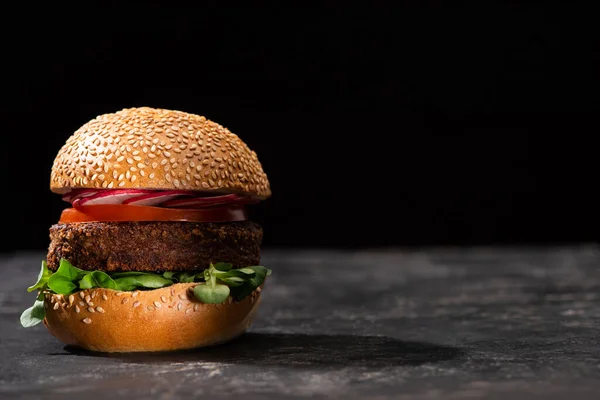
x,y
419,125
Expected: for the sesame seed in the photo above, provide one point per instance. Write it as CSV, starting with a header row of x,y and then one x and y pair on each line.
x,y
163,299
150,308
179,306
104,296
189,310
91,309
82,295
182,297
77,308
90,303
100,309
135,293
136,303
87,321
196,306
88,298
81,303
56,305
125,300
71,299
119,294
157,304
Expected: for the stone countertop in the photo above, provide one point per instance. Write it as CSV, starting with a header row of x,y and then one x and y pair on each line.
x,y
448,323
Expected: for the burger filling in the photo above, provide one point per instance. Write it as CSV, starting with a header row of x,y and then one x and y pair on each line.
x,y
221,258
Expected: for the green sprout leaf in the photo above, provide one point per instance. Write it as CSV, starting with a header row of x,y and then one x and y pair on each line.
x,y
232,281
42,280
33,315
62,281
211,295
186,277
250,285
97,279
148,281
61,285
221,266
247,271
168,274
104,280
66,269
127,283
153,281
87,282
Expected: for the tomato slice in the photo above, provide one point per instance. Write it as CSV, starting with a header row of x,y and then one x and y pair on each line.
x,y
122,212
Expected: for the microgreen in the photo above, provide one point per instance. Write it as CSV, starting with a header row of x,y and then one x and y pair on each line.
x,y
97,279
42,278
239,282
216,283
211,294
33,315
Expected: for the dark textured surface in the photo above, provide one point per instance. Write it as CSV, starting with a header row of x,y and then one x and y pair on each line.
x,y
437,323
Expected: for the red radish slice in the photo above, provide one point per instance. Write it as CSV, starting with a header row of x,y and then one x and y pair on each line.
x,y
200,202
78,193
110,197
83,192
156,198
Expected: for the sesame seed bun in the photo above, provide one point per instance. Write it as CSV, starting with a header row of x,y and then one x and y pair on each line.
x,y
165,319
162,149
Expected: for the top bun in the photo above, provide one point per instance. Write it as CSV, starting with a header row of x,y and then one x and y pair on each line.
x,y
150,148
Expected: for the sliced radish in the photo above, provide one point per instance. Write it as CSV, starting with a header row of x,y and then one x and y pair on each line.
x,y
156,198
78,193
200,202
110,197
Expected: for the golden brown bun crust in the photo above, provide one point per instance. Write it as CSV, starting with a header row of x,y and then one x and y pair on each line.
x,y
165,319
157,149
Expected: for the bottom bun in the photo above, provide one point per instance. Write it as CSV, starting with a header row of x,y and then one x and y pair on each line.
x,y
165,319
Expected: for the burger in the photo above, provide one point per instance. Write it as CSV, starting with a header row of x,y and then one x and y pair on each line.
x,y
155,251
